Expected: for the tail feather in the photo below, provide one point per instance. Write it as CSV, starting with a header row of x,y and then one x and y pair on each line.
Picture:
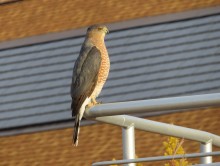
x,y
76,130
78,116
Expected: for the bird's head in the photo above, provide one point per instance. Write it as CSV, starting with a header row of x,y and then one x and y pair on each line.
x,y
98,30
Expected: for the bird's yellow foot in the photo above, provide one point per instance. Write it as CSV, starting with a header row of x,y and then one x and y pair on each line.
x,y
96,102
90,105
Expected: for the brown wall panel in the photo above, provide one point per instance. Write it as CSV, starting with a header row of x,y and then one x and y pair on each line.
x,y
34,17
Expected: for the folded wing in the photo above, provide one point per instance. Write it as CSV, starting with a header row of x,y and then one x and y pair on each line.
x,y
85,76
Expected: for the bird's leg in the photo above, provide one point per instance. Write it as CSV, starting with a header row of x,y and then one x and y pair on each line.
x,y
89,105
92,103
95,102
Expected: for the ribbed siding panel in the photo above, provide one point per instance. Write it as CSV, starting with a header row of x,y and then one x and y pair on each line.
x,y
169,59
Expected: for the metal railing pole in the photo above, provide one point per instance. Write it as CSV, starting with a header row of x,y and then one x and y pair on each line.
x,y
151,105
203,149
128,139
160,158
161,128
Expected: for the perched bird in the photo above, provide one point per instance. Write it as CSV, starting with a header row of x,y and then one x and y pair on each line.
x,y
89,74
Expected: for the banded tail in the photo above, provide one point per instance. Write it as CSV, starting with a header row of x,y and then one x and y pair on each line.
x,y
76,130
78,118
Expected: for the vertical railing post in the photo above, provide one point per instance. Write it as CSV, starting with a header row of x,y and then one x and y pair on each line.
x,y
203,149
128,139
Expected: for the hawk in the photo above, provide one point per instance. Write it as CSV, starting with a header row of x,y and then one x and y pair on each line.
x,y
89,74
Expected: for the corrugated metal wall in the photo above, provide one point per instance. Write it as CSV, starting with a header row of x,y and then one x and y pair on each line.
x,y
169,59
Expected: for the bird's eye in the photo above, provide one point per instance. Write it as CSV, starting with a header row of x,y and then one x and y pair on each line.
x,y
99,29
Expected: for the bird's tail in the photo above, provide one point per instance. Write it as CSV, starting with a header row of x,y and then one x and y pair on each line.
x,y
78,116
76,130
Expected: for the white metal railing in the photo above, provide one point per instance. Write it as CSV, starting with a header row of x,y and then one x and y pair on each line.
x,y
158,158
104,112
163,104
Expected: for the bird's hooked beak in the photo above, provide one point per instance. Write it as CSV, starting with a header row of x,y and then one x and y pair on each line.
x,y
106,30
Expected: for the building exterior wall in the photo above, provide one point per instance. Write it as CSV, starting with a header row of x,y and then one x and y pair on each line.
x,y
34,17
100,142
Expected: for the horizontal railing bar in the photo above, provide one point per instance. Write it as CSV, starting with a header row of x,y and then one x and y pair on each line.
x,y
210,164
158,158
162,104
161,128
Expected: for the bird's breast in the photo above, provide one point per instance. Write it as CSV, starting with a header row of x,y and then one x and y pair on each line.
x,y
104,67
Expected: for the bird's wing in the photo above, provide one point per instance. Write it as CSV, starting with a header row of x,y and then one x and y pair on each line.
x,y
85,75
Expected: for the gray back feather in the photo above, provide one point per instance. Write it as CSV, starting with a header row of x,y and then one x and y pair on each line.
x,y
85,76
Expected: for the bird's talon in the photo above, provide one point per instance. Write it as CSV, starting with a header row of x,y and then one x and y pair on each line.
x,y
99,102
90,105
